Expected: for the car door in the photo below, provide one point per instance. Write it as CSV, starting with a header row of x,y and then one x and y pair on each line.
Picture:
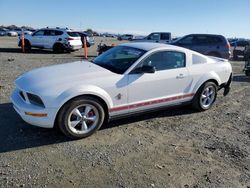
x,y
201,44
37,38
186,42
168,85
154,37
49,38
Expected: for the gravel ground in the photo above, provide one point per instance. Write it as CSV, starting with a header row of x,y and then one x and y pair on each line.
x,y
177,147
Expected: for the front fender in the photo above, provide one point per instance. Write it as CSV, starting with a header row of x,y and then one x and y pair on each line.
x,y
209,76
82,90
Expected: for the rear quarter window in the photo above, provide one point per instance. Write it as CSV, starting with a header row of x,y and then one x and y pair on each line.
x,y
197,59
57,33
73,34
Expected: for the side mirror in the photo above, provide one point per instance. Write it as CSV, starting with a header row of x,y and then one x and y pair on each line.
x,y
145,69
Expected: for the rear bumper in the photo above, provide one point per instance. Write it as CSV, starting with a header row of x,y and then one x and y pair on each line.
x,y
22,108
74,47
226,54
227,85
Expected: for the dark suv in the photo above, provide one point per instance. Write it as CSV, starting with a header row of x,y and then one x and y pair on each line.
x,y
207,44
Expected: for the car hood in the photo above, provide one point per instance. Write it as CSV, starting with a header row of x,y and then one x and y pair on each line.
x,y
57,78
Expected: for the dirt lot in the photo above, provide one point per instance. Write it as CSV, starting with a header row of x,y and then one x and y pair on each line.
x,y
173,148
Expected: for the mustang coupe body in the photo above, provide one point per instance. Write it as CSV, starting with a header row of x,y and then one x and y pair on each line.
x,y
130,78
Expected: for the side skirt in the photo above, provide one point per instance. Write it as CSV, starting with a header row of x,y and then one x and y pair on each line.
x,y
140,112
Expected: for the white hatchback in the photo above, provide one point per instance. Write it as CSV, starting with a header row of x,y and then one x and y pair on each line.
x,y
130,78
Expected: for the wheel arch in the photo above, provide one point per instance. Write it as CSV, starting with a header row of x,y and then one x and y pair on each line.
x,y
211,77
25,40
57,44
98,98
95,92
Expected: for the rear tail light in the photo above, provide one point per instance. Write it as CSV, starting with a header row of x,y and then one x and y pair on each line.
x,y
70,38
227,45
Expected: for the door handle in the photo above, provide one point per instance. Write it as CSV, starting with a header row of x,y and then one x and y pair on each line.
x,y
180,76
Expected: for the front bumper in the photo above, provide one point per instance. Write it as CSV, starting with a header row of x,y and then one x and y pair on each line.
x,y
22,108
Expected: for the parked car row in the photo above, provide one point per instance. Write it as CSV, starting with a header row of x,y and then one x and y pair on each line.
x,y
61,40
207,44
14,32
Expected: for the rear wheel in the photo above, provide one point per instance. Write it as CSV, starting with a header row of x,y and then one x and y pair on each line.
x,y
205,96
58,48
81,117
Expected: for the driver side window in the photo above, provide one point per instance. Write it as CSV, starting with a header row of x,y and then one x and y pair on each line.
x,y
154,36
165,60
39,33
187,40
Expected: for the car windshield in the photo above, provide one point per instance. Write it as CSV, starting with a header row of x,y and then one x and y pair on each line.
x,y
118,59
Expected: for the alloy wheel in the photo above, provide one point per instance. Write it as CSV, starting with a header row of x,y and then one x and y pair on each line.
x,y
83,119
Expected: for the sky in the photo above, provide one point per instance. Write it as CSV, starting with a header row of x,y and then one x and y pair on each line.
x,y
230,18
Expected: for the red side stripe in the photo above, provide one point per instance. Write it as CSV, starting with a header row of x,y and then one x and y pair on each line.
x,y
150,102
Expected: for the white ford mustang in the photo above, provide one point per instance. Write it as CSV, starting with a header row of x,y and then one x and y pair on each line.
x,y
130,78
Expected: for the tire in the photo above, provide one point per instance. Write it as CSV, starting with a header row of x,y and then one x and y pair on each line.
x,y
202,103
27,45
58,48
75,124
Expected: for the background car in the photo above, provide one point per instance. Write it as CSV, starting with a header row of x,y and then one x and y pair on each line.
x,y
161,37
130,78
57,39
126,37
27,32
3,32
17,30
89,38
12,33
247,53
240,43
207,44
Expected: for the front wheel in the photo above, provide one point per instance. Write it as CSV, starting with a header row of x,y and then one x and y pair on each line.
x,y
81,117
205,96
